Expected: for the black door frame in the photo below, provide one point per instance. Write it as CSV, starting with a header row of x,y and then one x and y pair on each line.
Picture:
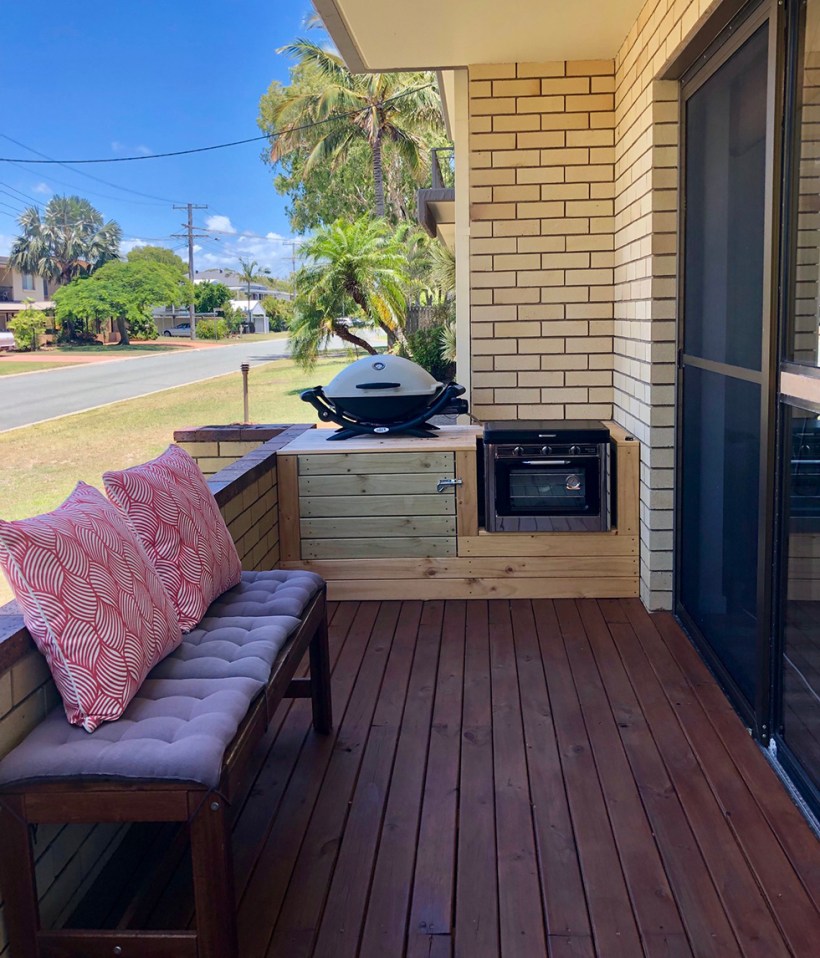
x,y
756,714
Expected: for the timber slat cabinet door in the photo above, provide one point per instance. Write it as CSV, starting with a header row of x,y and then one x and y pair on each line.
x,y
371,506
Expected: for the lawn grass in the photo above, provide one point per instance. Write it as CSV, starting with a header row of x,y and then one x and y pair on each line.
x,y
43,463
13,369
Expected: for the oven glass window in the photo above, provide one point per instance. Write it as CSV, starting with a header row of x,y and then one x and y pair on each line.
x,y
535,492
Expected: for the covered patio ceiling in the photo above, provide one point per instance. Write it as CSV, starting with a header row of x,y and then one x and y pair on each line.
x,y
431,34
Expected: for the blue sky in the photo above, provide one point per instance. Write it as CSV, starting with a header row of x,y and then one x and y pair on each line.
x,y
111,79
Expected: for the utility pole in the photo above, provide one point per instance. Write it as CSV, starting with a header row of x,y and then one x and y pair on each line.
x,y
293,246
189,232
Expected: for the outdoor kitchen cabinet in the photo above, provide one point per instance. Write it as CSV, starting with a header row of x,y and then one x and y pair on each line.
x,y
397,518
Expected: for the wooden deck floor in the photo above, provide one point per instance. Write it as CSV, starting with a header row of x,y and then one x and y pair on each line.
x,y
519,779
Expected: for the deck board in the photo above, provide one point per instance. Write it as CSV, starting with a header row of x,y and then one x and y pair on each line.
x,y
517,778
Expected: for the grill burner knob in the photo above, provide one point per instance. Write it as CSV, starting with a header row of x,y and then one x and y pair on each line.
x,y
546,450
518,451
575,450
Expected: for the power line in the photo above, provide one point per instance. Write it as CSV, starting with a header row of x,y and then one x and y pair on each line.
x,y
105,196
90,176
203,149
25,196
13,197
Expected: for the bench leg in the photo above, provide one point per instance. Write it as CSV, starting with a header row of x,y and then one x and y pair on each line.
x,y
17,880
320,679
213,877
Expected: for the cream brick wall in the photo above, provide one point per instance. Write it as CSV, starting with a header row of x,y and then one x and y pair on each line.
x,y
213,456
645,245
541,239
573,249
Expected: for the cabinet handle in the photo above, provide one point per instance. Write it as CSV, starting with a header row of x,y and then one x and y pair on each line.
x,y
444,484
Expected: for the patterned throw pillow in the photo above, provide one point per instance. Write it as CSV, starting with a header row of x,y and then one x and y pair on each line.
x,y
176,517
92,602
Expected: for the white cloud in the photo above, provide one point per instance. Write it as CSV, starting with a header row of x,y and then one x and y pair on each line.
x,y
222,224
128,244
5,244
42,188
119,147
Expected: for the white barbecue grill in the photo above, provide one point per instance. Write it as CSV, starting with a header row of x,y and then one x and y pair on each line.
x,y
384,394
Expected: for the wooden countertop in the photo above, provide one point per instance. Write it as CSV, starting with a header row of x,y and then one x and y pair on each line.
x,y
448,439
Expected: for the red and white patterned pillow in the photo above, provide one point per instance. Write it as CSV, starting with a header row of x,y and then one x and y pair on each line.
x,y
176,517
92,602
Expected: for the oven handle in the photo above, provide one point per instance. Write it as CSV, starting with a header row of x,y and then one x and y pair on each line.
x,y
544,462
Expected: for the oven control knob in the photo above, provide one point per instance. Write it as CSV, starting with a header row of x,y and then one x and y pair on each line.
x,y
575,450
518,451
546,450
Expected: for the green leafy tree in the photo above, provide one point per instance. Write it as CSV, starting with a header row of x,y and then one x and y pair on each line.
x,y
69,240
389,120
211,297
125,292
158,254
28,325
350,268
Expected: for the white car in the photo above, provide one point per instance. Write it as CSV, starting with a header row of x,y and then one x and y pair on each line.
x,y
181,329
6,340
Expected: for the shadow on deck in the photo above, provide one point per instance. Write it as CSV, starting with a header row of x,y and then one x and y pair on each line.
x,y
522,778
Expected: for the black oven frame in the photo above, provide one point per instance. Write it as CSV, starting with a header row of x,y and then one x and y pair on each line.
x,y
500,517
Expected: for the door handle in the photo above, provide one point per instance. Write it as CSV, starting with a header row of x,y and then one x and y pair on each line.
x,y
444,484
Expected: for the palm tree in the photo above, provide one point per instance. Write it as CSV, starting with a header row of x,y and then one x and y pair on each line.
x,y
350,268
69,240
377,108
249,272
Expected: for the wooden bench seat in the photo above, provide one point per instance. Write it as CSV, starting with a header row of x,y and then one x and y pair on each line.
x,y
178,754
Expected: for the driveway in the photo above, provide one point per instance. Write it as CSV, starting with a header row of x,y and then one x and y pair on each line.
x,y
34,397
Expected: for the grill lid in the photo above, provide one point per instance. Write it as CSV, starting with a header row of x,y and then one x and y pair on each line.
x,y
382,376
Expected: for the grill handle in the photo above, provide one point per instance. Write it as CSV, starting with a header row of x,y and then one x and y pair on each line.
x,y
378,385
445,484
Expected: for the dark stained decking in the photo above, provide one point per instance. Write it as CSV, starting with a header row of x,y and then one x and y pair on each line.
x,y
519,779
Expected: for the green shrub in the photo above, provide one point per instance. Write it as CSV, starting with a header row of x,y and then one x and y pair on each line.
x,y
212,329
142,328
232,318
28,325
426,348
280,313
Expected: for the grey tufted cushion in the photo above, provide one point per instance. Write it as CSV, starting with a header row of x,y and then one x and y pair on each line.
x,y
191,704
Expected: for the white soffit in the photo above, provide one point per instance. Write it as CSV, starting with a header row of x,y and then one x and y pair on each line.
x,y
375,35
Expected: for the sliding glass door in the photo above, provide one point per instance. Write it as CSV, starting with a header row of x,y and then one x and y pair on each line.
x,y
724,350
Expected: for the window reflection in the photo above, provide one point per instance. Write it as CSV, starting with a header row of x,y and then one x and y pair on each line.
x,y
801,653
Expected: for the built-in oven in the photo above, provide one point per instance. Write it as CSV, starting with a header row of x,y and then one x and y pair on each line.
x,y
546,476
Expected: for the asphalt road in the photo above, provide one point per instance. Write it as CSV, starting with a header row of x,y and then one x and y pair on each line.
x,y
31,398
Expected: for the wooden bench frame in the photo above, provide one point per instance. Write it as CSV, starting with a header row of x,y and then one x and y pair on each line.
x,y
88,800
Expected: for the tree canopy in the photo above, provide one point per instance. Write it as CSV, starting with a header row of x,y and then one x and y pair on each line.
x,y
68,240
125,292
211,297
158,254
351,269
374,158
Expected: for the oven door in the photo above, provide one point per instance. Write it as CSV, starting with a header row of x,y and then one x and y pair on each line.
x,y
534,488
